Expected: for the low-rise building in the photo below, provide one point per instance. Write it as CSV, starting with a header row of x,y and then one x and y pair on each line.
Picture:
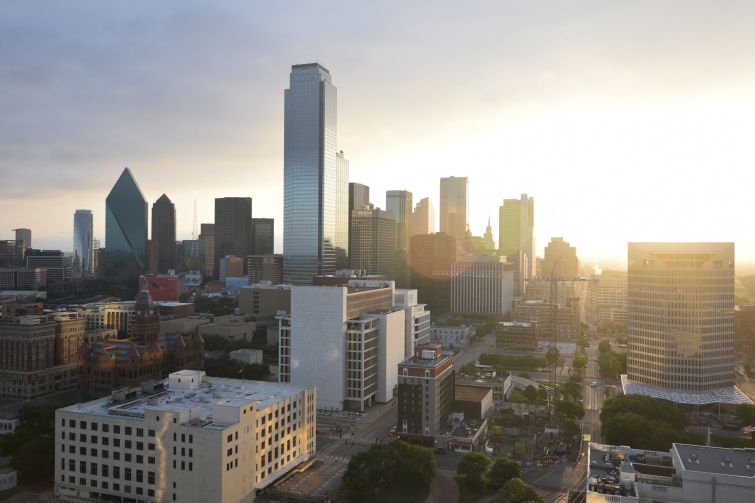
x,y
451,336
8,478
425,391
539,312
516,335
189,438
686,474
248,356
232,327
513,382
264,299
8,425
474,400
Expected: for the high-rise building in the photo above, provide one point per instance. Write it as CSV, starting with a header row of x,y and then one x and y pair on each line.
x,y
190,438
431,258
454,206
343,215
59,269
400,203
680,322
516,225
164,233
11,253
230,267
425,391
359,197
265,268
263,236
97,261
125,231
313,189
346,340
608,296
423,218
488,243
482,285
560,260
83,250
233,227
207,235
25,236
373,241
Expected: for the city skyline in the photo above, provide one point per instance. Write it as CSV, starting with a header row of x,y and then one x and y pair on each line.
x,y
578,125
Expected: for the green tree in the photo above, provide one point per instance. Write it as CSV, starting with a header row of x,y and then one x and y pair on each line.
x,y
32,446
570,409
502,471
604,346
530,393
579,362
473,466
225,367
553,356
746,414
569,428
628,428
650,408
542,394
468,369
572,390
516,491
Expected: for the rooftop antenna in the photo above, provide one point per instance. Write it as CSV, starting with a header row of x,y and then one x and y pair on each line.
x,y
194,225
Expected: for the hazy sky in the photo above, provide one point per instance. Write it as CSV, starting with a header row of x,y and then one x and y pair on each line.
x,y
630,120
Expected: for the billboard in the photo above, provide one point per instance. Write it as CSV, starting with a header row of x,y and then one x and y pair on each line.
x,y
192,279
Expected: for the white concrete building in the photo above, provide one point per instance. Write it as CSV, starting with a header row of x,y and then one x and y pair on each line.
x,y
417,319
8,478
685,474
347,341
451,336
248,356
117,315
189,439
482,285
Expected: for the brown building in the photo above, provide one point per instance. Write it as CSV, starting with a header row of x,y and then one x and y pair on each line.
x,y
516,336
425,391
431,258
108,364
475,401
744,328
265,268
264,299
38,353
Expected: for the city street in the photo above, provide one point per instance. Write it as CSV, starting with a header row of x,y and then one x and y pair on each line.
x,y
593,396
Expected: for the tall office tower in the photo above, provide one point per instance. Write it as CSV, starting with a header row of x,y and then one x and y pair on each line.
x,y
423,218
608,296
312,187
11,253
346,340
359,197
560,260
96,254
164,233
680,322
263,236
264,268
25,236
431,257
488,243
83,250
233,227
482,286
454,205
373,241
516,232
125,231
58,266
400,203
207,235
425,391
343,215
192,257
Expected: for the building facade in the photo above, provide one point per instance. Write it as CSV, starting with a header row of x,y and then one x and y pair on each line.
x,y
125,231
83,246
373,241
454,206
680,320
516,223
233,228
483,286
313,191
516,336
263,236
24,236
425,391
560,260
164,234
400,203
207,237
190,439
423,218
265,268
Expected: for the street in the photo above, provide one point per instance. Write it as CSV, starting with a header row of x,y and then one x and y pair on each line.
x,y
593,396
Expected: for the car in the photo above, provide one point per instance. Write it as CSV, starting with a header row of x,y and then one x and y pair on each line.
x,y
393,429
593,384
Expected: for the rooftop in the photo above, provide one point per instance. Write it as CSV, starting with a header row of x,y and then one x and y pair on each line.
x,y
472,392
200,400
718,460
418,361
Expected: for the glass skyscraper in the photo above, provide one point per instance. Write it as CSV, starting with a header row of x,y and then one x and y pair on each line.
x,y
83,249
125,231
314,192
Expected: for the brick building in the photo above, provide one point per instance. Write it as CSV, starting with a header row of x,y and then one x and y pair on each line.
x,y
425,391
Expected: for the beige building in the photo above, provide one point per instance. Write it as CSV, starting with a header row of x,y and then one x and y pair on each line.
x,y
482,286
264,298
231,327
539,312
189,438
560,260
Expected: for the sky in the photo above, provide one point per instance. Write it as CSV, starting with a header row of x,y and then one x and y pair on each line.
x,y
625,120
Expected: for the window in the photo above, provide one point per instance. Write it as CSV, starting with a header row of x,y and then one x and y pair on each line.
x,y
127,473
129,430
151,433
140,432
151,460
116,429
82,425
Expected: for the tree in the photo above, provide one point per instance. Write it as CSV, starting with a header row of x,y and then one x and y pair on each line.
x,y
32,446
650,408
572,389
570,409
468,369
553,356
569,428
628,428
579,362
516,491
473,466
502,471
530,393
542,394
746,414
604,346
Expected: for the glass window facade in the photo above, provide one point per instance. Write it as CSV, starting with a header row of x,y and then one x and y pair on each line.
x,y
125,231
83,249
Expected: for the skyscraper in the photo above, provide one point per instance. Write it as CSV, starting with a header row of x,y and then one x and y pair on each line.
x,y
516,224
233,227
207,235
83,246
423,217
164,233
313,191
359,197
342,211
373,241
680,322
400,203
454,195
560,260
263,236
125,231
25,236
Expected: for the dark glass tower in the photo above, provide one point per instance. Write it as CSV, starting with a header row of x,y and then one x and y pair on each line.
x,y
315,200
233,228
164,233
125,232
263,236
